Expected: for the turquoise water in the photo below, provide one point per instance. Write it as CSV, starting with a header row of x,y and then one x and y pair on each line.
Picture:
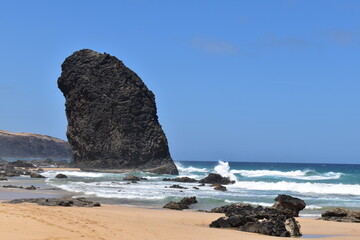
x,y
322,186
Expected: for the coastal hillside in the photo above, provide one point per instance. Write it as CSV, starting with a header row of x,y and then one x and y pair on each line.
x,y
30,145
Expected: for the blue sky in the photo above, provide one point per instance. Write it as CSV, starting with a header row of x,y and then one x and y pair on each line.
x,y
234,80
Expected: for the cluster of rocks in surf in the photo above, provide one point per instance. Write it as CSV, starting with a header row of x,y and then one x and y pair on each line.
x,y
341,215
183,204
62,202
275,221
112,116
216,180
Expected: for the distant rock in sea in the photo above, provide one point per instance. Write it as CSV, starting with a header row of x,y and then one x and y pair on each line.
x,y
112,116
30,145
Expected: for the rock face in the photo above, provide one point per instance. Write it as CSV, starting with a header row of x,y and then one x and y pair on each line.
x,y
112,116
288,203
29,145
341,215
262,220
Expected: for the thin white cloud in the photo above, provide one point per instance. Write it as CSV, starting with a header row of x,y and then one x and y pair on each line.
x,y
216,46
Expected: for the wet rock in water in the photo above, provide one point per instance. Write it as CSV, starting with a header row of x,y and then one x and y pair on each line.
x,y
112,116
40,170
131,178
290,204
219,187
177,186
341,215
183,204
36,175
32,187
184,179
215,178
60,175
196,188
262,220
201,185
63,202
188,200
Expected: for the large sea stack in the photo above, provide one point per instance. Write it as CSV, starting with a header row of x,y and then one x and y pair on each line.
x,y
112,118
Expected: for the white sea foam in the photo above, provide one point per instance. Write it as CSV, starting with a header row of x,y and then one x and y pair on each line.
x,y
50,174
317,188
223,169
190,169
297,174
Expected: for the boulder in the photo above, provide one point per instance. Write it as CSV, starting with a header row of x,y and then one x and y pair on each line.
x,y
177,186
112,117
183,204
219,187
131,178
341,215
36,175
288,203
60,175
215,178
256,219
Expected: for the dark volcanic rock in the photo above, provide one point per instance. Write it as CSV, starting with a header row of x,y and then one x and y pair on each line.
x,y
341,215
32,187
215,178
177,186
36,175
262,220
183,204
131,178
181,179
20,163
63,202
112,116
30,145
60,175
288,203
219,187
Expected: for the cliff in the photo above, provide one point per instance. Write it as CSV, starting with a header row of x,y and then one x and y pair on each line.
x,y
112,116
29,145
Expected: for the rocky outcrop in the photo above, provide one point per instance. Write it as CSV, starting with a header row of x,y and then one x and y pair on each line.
x,y
183,204
29,145
63,202
112,116
288,203
181,179
219,187
215,178
131,178
60,175
262,220
341,215
36,175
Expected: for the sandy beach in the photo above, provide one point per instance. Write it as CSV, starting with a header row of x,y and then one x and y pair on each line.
x,y
33,222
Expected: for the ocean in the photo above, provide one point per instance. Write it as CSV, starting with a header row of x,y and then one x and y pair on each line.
x,y
321,186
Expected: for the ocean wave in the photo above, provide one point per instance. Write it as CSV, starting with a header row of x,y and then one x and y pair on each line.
x,y
223,169
297,174
189,169
308,187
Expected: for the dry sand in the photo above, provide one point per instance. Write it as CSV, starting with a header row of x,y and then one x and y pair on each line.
x,y
33,222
